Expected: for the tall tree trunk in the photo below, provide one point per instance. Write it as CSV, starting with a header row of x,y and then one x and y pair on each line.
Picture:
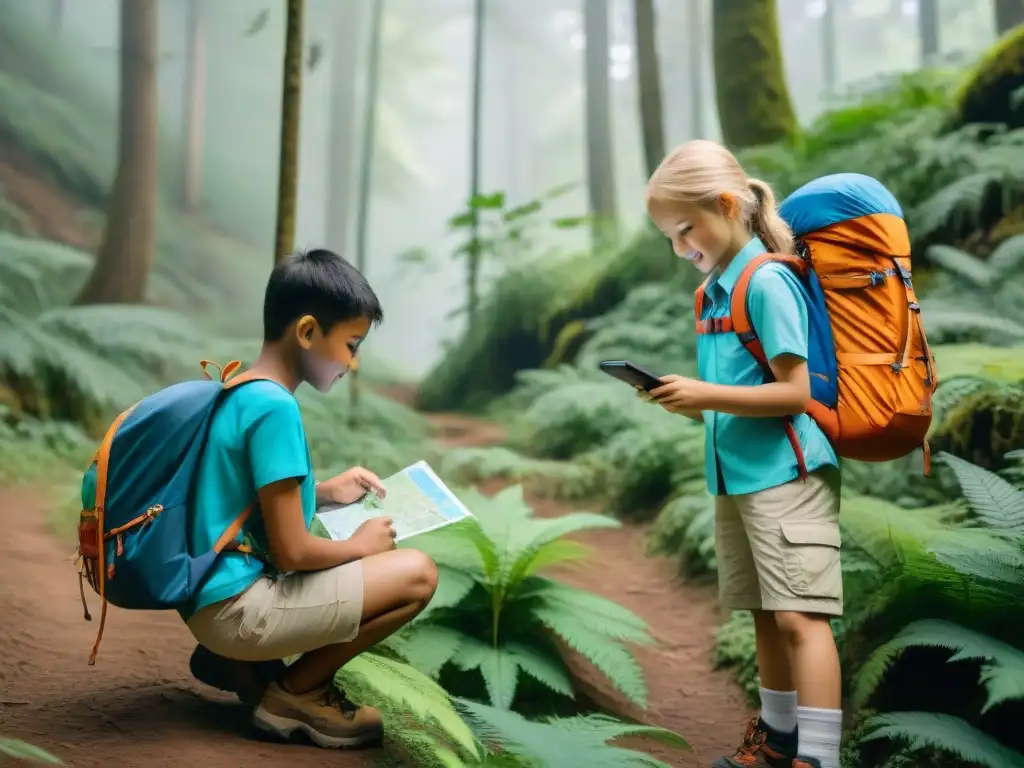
x,y
652,121
829,46
1009,14
754,106
928,30
195,103
57,8
126,254
698,56
341,148
600,154
366,154
474,256
291,108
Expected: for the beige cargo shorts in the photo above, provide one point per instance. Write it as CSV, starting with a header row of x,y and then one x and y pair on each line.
x,y
778,549
288,616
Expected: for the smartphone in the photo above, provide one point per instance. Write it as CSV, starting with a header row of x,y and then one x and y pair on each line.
x,y
632,374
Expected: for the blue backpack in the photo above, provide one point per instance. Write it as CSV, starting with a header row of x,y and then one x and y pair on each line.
x,y
135,500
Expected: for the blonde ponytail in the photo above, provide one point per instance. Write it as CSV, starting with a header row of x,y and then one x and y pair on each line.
x,y
699,172
766,222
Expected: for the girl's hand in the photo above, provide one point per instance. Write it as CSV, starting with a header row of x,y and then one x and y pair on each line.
x,y
349,487
682,395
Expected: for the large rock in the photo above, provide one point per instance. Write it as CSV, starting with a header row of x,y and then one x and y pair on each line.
x,y
988,94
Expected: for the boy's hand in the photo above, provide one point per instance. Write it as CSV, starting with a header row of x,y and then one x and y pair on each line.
x,y
374,536
349,487
679,394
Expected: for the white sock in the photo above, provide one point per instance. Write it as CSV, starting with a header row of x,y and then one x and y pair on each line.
x,y
778,709
820,733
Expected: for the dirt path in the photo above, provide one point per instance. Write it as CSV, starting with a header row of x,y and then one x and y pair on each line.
x,y
140,707
686,695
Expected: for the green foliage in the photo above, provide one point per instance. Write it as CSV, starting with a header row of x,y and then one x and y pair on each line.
x,y
520,742
928,730
685,530
494,613
989,94
735,649
15,749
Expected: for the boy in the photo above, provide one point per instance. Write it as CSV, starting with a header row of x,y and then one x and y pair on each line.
x,y
300,594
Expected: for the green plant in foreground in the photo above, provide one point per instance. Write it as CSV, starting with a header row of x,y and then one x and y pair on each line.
x,y
495,614
16,749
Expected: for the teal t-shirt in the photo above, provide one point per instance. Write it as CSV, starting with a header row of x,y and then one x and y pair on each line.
x,y
744,454
256,438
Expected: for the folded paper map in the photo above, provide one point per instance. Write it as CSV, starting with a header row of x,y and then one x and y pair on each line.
x,y
416,501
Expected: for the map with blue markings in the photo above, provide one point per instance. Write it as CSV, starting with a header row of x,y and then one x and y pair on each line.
x,y
416,501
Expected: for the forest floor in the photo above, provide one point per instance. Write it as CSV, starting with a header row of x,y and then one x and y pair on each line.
x,y
140,707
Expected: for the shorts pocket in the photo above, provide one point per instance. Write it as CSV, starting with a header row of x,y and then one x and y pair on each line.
x,y
810,557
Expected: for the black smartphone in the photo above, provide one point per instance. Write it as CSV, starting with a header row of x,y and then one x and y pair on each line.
x,y
632,374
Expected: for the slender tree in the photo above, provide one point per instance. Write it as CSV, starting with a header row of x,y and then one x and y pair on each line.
x,y
600,155
367,152
345,45
652,121
125,256
754,106
195,106
291,106
928,30
697,60
1009,14
57,8
474,255
829,46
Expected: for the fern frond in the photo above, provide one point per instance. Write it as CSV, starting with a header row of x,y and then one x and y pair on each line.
x,y
929,730
428,647
543,665
963,265
1007,260
547,745
965,643
997,505
497,667
16,749
537,544
400,690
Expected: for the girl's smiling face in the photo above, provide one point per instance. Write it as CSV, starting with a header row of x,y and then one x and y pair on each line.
x,y
702,235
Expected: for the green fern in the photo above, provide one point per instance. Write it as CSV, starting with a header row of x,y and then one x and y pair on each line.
x,y
428,723
20,750
495,614
947,733
521,742
967,645
997,505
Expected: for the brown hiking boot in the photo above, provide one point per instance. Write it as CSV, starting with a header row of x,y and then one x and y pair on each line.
x,y
325,715
247,680
805,762
762,746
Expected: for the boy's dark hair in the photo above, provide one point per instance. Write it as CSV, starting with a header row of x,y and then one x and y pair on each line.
x,y
320,283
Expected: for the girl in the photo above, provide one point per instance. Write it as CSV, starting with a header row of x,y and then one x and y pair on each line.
x,y
776,535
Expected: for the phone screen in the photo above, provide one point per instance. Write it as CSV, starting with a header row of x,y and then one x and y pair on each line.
x,y
631,374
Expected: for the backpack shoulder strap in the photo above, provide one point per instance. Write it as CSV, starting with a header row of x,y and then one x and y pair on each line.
x,y
747,334
741,324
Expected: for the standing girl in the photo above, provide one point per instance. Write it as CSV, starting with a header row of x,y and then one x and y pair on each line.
x,y
776,524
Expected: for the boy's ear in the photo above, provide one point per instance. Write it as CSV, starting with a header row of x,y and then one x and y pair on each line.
x,y
304,328
728,205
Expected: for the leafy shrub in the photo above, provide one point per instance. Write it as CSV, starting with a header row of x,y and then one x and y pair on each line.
x,y
735,649
685,530
552,479
493,612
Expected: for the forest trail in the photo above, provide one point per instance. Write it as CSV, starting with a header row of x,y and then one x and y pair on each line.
x,y
139,706
703,705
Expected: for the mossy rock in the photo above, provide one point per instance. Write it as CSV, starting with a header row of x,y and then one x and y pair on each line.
x,y
984,427
987,95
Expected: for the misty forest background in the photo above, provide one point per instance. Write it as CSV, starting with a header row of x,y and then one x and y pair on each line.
x,y
483,161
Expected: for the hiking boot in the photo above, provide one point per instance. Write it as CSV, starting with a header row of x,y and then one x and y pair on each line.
x,y
764,746
805,762
247,680
325,715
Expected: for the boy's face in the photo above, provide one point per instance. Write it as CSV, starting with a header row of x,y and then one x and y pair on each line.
x,y
325,358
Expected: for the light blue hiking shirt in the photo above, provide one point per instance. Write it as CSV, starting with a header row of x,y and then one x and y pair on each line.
x,y
256,438
743,454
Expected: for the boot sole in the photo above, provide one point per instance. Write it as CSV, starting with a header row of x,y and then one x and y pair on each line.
x,y
286,728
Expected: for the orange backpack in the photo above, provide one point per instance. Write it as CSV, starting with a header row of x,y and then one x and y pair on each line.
x,y
872,373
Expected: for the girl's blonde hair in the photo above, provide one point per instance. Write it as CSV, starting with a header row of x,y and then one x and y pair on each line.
x,y
699,172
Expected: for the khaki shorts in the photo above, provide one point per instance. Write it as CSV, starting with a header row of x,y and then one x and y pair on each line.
x,y
778,549
294,614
